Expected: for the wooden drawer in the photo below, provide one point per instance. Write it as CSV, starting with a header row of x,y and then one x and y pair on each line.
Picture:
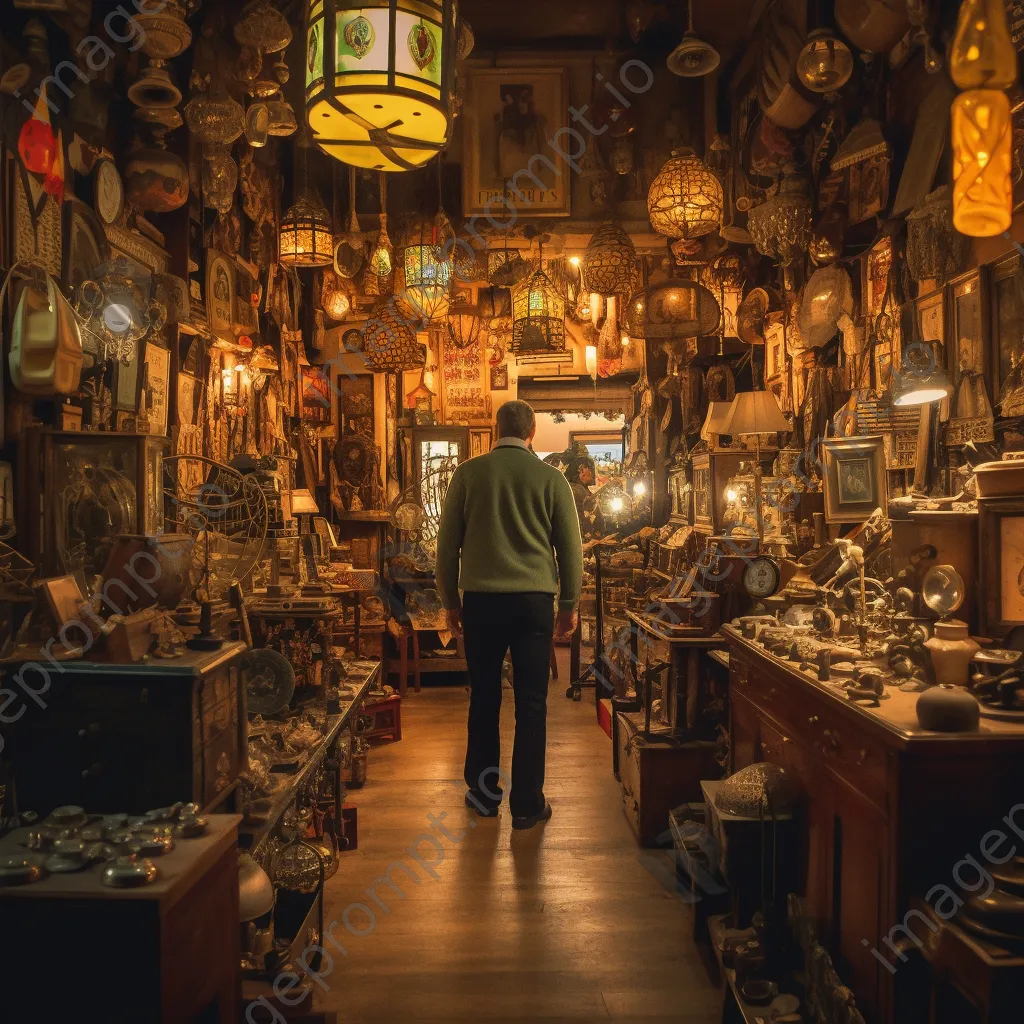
x,y
813,721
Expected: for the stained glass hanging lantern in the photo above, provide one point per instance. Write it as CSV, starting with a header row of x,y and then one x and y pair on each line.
x,y
685,200
538,316
379,80
609,264
334,297
425,276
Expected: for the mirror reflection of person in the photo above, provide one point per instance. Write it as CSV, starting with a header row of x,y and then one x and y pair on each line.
x,y
509,539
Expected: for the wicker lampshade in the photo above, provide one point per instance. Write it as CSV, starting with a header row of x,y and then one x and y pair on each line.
x,y
538,316
389,338
685,200
609,263
673,309
425,276
306,237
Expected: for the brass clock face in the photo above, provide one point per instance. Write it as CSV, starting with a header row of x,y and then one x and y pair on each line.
x,y
761,577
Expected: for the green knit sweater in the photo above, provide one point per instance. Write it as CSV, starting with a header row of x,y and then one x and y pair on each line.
x,y
506,515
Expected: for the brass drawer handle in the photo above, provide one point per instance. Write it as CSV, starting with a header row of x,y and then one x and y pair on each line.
x,y
813,720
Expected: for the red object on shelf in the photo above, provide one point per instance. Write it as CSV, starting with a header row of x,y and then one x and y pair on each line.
x,y
37,143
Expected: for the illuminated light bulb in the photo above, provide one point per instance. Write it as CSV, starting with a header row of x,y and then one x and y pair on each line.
x,y
639,489
982,162
591,361
730,494
575,261
617,505
625,340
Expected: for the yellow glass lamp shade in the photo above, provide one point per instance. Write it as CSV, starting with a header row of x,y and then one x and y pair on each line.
x,y
825,63
379,79
685,199
307,239
982,161
538,316
982,55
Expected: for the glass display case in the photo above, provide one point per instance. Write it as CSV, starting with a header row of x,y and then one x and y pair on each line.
x,y
81,490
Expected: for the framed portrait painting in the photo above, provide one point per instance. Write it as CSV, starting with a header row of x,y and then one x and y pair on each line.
x,y
1006,300
855,481
509,116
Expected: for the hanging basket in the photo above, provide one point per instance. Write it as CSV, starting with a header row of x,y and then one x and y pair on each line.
x,y
389,338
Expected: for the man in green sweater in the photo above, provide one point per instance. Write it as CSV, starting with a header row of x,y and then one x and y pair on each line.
x,y
506,517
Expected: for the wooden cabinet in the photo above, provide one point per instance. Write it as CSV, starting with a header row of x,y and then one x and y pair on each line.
x,y
887,809
132,737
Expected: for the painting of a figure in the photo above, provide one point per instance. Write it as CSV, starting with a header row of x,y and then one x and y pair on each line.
x,y
517,148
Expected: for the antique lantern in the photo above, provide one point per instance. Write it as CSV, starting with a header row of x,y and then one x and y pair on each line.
x,y
306,237
825,63
425,274
379,80
538,316
685,199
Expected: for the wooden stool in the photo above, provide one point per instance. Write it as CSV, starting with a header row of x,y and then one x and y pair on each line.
x,y
387,717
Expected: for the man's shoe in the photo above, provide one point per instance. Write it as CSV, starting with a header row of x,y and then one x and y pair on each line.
x,y
481,808
529,820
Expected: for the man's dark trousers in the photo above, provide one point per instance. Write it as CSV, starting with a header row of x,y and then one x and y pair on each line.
x,y
493,624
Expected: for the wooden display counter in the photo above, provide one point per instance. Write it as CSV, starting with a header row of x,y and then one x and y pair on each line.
x,y
888,807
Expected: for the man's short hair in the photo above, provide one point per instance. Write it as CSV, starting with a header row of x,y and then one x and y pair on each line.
x,y
516,419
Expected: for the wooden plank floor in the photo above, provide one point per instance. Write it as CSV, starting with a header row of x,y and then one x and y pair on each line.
x,y
567,923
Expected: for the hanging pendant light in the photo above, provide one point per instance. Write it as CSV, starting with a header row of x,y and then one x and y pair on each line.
x,y
781,226
685,200
382,258
692,58
983,61
379,80
609,264
307,235
425,275
825,63
538,315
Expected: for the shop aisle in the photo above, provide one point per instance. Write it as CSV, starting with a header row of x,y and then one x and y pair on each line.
x,y
566,923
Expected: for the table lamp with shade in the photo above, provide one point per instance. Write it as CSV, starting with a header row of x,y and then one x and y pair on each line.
x,y
304,507
921,380
757,413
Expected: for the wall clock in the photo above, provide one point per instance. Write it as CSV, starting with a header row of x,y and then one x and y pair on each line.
x,y
761,577
109,196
